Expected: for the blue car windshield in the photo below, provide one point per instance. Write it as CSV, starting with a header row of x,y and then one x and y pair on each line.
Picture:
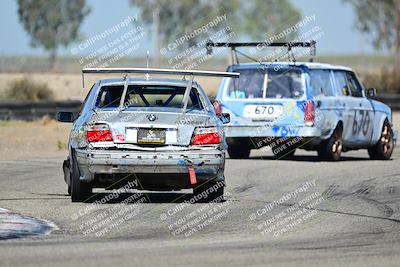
x,y
268,83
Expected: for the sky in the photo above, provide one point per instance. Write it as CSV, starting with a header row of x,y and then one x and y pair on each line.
x,y
334,18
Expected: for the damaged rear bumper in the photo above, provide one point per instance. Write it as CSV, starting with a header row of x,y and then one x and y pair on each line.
x,y
207,164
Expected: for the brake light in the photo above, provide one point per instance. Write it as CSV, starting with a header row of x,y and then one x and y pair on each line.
x,y
217,107
98,133
206,136
309,113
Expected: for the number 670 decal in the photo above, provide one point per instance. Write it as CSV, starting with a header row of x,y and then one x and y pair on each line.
x,y
361,122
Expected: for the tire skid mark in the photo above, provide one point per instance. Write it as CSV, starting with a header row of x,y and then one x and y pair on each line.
x,y
387,211
331,191
328,210
362,191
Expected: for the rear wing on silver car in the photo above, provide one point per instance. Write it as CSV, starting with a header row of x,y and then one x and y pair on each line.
x,y
162,71
148,71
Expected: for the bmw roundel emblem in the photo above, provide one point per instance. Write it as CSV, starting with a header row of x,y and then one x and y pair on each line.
x,y
151,117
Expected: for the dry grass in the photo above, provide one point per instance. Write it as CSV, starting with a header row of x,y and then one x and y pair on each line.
x,y
384,80
69,86
25,89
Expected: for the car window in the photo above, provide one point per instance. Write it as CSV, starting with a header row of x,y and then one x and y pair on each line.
x,y
341,84
249,85
281,83
147,96
320,82
86,99
354,85
109,96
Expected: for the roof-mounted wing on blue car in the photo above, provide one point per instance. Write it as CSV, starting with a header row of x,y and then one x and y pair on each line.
x,y
287,44
233,45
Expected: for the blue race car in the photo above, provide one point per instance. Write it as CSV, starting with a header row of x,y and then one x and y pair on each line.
x,y
289,105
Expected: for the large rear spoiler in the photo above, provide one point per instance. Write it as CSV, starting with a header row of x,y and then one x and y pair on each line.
x,y
149,71
162,71
311,44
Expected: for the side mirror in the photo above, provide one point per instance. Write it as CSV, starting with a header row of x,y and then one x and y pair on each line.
x,y
65,117
371,92
225,117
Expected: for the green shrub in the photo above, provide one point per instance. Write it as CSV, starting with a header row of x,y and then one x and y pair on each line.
x,y
25,89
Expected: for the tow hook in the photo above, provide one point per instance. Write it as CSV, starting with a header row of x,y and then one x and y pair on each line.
x,y
192,173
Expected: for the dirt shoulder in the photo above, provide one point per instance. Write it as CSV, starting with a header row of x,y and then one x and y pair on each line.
x,y
48,138
27,140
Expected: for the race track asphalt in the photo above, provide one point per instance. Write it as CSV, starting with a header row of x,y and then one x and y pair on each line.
x,y
297,212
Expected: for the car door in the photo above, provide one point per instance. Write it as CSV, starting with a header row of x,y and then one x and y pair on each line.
x,y
323,92
363,113
345,106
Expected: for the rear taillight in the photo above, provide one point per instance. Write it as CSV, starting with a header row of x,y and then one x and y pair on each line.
x,y
309,113
217,107
98,133
206,136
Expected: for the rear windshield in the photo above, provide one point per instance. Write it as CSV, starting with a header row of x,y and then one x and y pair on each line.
x,y
268,83
147,96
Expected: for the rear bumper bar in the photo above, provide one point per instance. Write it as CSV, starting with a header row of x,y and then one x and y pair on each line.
x,y
208,164
274,131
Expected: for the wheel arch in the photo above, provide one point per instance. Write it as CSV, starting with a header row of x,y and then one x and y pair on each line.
x,y
379,120
339,123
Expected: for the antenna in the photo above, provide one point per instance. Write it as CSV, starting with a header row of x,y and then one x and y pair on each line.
x,y
147,58
147,75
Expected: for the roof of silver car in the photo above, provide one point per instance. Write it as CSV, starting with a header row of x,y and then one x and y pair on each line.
x,y
310,65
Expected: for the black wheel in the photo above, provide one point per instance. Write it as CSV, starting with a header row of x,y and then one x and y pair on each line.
x,y
210,191
384,148
79,191
237,151
331,149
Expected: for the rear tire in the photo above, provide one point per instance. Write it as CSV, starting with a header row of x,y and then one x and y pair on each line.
x,y
331,149
237,151
208,196
67,172
384,148
79,191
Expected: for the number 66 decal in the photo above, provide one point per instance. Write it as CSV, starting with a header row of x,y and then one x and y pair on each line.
x,y
361,122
